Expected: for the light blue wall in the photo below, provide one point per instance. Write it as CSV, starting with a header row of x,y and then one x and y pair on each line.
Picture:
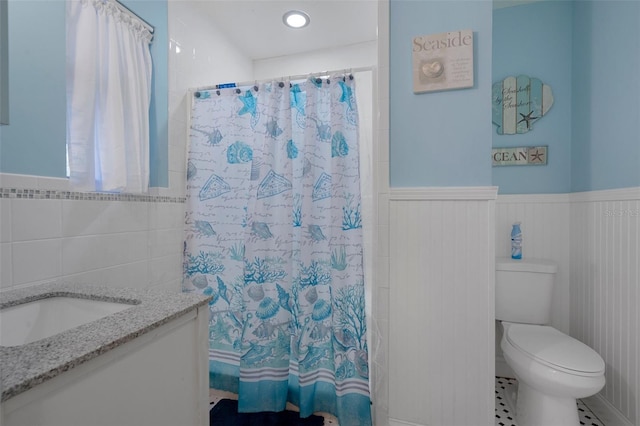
x,y
34,141
606,101
443,138
536,40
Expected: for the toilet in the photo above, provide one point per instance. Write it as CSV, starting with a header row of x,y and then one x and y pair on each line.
x,y
552,368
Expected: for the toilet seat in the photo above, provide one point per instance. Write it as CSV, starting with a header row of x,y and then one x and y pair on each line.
x,y
555,349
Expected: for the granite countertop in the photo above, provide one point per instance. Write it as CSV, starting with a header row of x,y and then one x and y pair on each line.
x,y
23,367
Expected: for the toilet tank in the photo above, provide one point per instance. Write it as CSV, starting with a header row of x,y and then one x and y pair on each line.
x,y
524,289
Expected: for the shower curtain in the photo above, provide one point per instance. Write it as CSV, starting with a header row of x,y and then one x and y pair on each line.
x,y
274,234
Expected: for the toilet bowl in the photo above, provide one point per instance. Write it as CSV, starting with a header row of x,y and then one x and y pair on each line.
x,y
553,370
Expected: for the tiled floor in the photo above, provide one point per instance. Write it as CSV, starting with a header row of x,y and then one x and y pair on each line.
x,y
505,412
216,395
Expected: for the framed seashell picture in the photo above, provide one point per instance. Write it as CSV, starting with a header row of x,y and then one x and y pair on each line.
x,y
443,61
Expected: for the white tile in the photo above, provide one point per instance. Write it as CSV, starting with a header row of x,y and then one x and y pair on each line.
x,y
383,241
177,183
383,176
383,209
5,266
177,158
5,220
36,260
130,275
174,286
9,180
383,119
178,130
383,145
166,215
83,254
167,269
53,184
382,305
382,272
83,217
505,391
36,219
165,242
383,86
125,216
92,277
86,217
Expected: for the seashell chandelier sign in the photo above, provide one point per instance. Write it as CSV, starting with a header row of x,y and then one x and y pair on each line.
x,y
518,102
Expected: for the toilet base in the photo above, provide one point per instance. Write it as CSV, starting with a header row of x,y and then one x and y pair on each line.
x,y
534,408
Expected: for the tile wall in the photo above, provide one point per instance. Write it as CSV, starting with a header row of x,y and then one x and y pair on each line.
x,y
50,234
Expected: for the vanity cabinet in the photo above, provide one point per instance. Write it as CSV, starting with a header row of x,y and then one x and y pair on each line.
x,y
159,378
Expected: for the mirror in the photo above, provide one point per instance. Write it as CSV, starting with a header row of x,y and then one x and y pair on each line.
x,y
34,142
4,65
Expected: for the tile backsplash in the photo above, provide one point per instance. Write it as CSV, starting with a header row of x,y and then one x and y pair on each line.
x,y
102,239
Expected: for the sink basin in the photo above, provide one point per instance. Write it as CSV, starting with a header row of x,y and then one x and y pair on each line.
x,y
32,321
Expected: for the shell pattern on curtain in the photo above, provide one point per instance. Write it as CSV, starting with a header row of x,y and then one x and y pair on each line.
x,y
274,234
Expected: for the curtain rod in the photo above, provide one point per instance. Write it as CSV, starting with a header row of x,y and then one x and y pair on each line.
x,y
130,12
289,77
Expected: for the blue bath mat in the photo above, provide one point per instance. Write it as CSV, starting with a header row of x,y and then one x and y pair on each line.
x,y
225,413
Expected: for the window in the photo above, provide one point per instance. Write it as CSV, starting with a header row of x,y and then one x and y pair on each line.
x,y
109,71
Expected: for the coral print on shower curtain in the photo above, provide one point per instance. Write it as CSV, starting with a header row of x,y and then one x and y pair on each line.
x,y
274,234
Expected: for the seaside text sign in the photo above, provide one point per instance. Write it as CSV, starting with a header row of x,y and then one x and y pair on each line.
x,y
520,156
443,61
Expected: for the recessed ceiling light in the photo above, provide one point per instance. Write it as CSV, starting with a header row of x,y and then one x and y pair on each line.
x,y
295,19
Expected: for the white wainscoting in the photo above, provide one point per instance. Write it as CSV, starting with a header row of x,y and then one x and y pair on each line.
x,y
441,330
605,291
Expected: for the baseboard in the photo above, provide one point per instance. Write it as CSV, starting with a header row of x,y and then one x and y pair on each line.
x,y
606,412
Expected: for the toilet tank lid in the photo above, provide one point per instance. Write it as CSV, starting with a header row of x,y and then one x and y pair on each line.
x,y
526,265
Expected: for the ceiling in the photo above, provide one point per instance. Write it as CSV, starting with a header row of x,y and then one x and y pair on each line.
x,y
255,26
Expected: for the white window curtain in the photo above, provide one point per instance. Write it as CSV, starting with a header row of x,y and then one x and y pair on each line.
x,y
108,96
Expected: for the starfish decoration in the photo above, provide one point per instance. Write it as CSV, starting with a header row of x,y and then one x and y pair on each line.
x,y
536,156
249,104
297,98
346,94
527,118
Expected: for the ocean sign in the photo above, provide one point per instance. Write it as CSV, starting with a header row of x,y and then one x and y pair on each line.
x,y
519,156
518,102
